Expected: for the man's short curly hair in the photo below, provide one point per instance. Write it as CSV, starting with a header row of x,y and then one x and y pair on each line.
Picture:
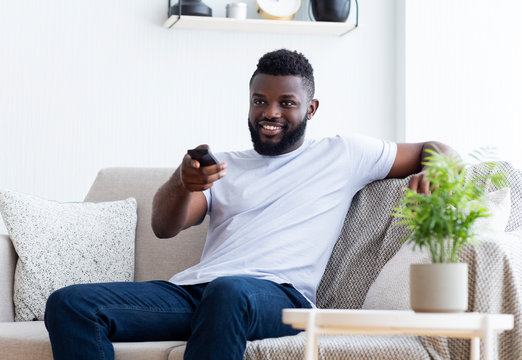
x,y
285,62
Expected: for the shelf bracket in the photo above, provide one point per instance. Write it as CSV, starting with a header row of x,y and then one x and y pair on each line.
x,y
179,12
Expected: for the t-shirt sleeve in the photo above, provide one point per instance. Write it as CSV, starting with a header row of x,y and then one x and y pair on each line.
x,y
208,196
370,158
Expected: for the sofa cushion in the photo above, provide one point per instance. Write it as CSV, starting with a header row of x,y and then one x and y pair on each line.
x,y
25,340
391,289
28,340
60,244
155,259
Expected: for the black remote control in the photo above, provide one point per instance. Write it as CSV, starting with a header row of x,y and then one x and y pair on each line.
x,y
203,156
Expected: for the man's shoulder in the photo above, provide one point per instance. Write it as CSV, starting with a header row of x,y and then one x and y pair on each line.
x,y
331,142
240,154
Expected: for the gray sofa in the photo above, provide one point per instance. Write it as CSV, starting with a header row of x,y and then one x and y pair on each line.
x,y
368,240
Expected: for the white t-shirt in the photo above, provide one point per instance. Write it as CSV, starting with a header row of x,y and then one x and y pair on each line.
x,y
278,217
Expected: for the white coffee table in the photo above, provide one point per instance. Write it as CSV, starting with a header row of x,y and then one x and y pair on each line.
x,y
475,326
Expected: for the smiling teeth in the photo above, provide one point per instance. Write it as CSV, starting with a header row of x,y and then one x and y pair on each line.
x,y
271,127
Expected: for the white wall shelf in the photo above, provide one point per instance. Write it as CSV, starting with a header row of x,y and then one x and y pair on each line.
x,y
259,25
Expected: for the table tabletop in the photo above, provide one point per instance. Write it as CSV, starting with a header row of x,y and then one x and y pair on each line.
x,y
475,326
348,321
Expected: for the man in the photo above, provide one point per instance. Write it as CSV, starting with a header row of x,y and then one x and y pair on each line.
x,y
275,214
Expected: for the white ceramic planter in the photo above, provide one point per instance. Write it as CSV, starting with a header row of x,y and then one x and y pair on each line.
x,y
439,287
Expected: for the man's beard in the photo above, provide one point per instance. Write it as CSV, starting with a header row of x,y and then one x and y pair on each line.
x,y
290,138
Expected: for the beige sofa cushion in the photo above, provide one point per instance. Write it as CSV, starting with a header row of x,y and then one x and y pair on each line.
x,y
30,341
177,353
156,259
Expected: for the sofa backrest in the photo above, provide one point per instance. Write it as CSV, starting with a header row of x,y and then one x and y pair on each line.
x,y
156,259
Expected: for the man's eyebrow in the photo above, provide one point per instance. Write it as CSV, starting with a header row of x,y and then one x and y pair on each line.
x,y
288,96
258,95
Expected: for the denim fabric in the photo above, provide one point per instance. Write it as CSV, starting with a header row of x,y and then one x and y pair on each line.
x,y
215,318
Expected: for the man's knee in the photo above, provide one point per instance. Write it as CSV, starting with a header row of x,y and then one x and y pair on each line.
x,y
231,285
230,290
67,299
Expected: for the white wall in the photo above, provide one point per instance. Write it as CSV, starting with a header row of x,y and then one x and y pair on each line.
x,y
91,84
464,74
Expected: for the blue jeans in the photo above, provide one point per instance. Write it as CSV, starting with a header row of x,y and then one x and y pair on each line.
x,y
216,318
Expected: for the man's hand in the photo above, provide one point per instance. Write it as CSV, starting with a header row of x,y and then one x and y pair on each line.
x,y
179,203
195,177
410,159
419,184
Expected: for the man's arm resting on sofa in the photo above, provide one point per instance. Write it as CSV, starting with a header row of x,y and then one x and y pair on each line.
x,y
7,268
180,202
409,161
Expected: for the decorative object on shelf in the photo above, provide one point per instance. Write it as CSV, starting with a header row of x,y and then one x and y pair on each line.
x,y
442,223
237,10
190,7
278,9
330,10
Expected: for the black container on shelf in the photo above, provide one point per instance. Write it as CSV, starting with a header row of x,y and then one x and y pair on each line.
x,y
330,10
191,7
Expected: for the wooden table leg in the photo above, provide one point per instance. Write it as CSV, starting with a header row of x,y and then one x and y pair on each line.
x,y
474,353
311,348
487,336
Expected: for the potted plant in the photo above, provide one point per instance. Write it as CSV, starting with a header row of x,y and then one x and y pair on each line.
x,y
442,223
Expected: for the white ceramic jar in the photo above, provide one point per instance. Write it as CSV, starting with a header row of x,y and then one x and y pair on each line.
x,y
237,10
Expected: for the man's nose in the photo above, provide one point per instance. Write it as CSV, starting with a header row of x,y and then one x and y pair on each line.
x,y
272,111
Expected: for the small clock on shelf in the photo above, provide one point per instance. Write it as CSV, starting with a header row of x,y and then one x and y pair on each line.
x,y
278,9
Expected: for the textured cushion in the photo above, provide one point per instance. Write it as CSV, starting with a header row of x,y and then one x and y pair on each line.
x,y
499,208
60,244
391,288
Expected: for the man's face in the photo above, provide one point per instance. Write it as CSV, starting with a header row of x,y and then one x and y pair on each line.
x,y
279,110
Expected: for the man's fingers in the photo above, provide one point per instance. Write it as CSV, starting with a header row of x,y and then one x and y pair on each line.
x,y
212,169
424,187
206,179
190,163
414,183
418,184
207,170
203,146
196,178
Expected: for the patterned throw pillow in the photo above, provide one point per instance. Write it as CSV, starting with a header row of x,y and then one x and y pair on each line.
x,y
59,244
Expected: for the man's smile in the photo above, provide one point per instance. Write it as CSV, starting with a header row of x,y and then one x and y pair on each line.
x,y
270,128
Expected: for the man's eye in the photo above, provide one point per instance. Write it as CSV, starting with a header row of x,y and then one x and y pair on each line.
x,y
258,102
287,103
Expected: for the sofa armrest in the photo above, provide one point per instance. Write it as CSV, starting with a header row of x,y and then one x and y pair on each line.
x,y
8,259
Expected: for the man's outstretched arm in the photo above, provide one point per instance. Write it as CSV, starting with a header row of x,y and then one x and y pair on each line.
x,y
409,160
180,203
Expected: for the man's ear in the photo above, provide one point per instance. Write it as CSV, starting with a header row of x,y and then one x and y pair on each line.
x,y
312,108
